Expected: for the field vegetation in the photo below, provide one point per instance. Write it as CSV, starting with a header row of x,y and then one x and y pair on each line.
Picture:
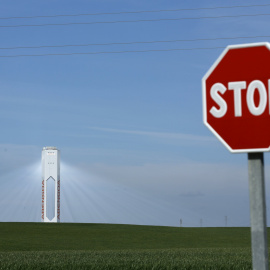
x,y
110,246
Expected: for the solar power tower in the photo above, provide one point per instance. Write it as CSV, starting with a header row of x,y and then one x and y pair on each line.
x,y
50,211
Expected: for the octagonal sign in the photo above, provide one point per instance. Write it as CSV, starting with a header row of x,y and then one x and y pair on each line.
x,y
236,97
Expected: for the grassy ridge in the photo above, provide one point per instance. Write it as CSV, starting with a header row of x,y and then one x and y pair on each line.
x,y
74,236
107,246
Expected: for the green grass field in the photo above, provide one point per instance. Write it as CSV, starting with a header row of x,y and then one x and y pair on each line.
x,y
109,246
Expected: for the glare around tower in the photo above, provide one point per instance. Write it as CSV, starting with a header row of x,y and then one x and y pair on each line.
x,y
50,209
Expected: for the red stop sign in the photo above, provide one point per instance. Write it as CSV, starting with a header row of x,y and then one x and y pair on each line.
x,y
236,97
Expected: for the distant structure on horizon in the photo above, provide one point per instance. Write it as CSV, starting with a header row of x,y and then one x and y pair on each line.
x,y
50,209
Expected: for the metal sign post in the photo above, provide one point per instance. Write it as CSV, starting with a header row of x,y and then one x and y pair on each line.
x,y
257,211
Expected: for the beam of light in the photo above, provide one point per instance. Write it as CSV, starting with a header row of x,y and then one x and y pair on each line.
x,y
85,197
21,194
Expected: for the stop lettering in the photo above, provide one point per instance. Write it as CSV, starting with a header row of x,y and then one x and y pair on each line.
x,y
236,97
237,87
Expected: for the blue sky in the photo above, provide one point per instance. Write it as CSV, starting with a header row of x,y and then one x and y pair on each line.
x,y
130,124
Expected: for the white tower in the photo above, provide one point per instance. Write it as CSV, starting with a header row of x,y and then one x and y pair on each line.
x,y
50,185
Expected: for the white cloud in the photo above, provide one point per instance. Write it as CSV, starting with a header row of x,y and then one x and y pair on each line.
x,y
189,190
151,193
160,135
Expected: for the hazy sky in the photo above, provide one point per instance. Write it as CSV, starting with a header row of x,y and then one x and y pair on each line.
x,y
128,123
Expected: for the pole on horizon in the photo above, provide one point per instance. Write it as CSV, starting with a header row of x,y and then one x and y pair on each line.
x,y
257,211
